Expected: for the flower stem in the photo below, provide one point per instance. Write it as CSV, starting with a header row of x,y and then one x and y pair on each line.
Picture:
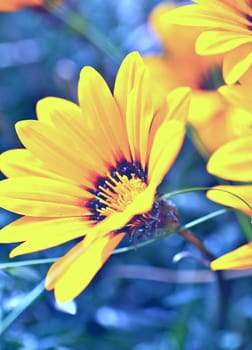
x,y
197,189
26,301
80,25
189,237
222,286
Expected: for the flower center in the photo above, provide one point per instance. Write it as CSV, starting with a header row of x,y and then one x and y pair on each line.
x,y
119,193
117,190
212,79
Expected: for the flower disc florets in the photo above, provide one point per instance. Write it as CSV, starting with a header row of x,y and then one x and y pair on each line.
x,y
117,190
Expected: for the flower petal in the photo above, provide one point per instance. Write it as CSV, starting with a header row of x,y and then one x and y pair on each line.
x,y
37,196
58,151
166,145
42,233
233,161
216,41
20,162
239,95
75,126
240,258
102,115
139,116
175,107
128,74
49,106
212,15
236,63
68,277
237,197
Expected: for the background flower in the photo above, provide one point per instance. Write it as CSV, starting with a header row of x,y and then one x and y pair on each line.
x,y
233,162
13,5
214,120
227,30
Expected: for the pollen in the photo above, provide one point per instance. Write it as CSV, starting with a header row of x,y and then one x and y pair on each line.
x,y
117,190
119,193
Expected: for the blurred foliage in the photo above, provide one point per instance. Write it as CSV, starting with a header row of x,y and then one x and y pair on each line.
x,y
41,56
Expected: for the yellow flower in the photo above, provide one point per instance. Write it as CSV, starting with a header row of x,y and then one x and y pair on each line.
x,y
240,258
14,5
90,170
227,30
182,64
233,161
214,120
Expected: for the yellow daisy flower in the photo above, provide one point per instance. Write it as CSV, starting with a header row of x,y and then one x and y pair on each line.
x,y
227,31
233,161
214,121
91,170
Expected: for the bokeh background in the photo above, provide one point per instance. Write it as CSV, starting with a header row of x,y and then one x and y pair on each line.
x,y
142,299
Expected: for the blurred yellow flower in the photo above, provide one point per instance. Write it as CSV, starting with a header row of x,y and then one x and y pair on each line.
x,y
227,30
91,170
214,120
14,5
233,161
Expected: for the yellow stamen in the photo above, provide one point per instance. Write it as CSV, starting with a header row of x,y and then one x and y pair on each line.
x,y
119,193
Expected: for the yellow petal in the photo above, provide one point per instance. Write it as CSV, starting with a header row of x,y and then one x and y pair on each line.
x,y
215,42
209,16
166,145
177,104
233,161
127,77
37,196
236,63
237,197
240,258
139,116
239,95
58,151
20,162
42,233
175,107
102,115
49,106
71,274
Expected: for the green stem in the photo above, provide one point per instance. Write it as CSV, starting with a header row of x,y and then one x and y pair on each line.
x,y
27,263
222,287
26,301
197,189
189,237
80,25
207,217
245,224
